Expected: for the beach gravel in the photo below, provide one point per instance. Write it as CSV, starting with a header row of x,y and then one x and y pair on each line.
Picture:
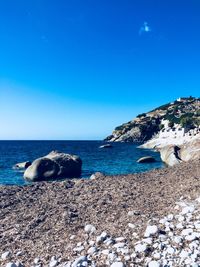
x,y
145,219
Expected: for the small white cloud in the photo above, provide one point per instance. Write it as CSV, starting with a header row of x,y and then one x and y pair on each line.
x,y
145,28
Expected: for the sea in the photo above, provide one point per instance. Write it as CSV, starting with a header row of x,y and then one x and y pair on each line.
x,y
120,159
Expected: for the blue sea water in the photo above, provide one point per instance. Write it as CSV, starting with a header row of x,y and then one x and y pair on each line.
x,y
120,159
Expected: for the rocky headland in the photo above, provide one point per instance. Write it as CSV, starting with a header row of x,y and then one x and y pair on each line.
x,y
172,129
173,119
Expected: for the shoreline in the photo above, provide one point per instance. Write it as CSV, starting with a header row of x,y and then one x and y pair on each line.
x,y
121,159
40,219
161,142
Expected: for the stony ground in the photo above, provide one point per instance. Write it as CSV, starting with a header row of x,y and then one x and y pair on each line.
x,y
108,221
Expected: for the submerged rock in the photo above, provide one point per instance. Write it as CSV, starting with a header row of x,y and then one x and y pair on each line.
x,y
147,159
54,165
106,146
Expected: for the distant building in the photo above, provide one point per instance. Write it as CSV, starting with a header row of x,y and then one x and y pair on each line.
x,y
180,99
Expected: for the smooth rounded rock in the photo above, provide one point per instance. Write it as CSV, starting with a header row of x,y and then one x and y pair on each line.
x,y
151,230
11,264
54,165
153,264
140,248
92,250
89,228
53,263
117,264
5,255
79,261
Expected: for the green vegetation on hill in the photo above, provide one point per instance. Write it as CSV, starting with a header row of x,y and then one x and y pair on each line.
x,y
184,112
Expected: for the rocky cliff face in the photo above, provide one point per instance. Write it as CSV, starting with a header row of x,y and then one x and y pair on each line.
x,y
140,129
184,112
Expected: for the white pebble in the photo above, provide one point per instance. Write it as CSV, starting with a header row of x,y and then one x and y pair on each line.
x,y
11,264
197,225
170,217
105,251
79,249
5,255
179,226
118,264
84,264
131,225
19,253
157,256
191,237
104,235
79,261
36,260
140,248
184,254
187,209
163,221
186,232
151,230
91,243
127,258
108,241
18,264
153,264
131,213
92,250
112,256
119,245
53,263
89,228
178,239
119,239
170,250
147,240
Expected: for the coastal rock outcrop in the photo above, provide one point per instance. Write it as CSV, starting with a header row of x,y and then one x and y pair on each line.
x,y
173,155
172,120
170,155
54,165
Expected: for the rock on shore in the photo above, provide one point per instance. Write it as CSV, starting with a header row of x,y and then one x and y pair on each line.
x,y
173,155
22,165
54,165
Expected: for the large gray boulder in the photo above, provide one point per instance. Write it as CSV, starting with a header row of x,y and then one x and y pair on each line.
x,y
54,165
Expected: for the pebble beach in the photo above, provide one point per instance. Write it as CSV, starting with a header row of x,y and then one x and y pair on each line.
x,y
147,219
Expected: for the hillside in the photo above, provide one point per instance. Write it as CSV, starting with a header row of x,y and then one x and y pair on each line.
x,y
181,115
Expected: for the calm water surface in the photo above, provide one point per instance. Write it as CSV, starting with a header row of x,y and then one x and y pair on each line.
x,y
120,159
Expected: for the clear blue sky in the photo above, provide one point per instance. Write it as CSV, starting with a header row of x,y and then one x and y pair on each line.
x,y
76,69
